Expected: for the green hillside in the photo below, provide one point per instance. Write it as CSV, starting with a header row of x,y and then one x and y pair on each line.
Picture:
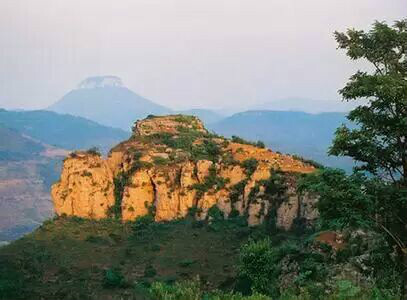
x,y
73,258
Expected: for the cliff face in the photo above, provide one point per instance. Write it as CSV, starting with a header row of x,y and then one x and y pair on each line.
x,y
171,166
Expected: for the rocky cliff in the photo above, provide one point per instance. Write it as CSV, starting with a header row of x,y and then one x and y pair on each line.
x,y
172,166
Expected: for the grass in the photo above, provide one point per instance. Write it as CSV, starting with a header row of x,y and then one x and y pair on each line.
x,y
73,258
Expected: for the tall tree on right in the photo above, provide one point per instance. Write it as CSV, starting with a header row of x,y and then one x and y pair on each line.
x,y
379,140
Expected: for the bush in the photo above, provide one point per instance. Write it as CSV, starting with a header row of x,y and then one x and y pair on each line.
x,y
149,271
211,181
189,290
207,150
258,262
186,263
237,190
142,223
215,213
160,161
250,165
113,278
311,162
94,151
260,144
120,182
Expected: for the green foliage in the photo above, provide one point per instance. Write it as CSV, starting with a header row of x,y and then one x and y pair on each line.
x,y
207,150
149,271
160,161
354,200
237,190
180,291
258,262
120,182
377,141
11,281
308,161
191,290
275,186
212,181
113,278
185,263
185,139
93,151
215,213
250,165
185,119
239,140
142,223
260,144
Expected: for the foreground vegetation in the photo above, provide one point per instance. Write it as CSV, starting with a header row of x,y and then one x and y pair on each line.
x,y
73,258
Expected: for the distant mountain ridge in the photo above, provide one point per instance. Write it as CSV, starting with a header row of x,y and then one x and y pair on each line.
x,y
62,130
304,105
29,164
304,134
104,99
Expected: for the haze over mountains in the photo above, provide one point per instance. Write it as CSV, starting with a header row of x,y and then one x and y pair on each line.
x,y
304,105
101,111
300,133
104,99
32,146
289,125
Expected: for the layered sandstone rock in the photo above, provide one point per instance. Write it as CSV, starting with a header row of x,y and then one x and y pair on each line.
x,y
172,164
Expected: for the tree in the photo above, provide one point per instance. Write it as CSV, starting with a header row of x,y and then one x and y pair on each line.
x,y
379,140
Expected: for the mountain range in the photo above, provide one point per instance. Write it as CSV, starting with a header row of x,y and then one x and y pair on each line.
x,y
62,130
32,146
100,113
300,133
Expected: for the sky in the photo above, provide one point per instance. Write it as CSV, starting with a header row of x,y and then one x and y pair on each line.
x,y
219,54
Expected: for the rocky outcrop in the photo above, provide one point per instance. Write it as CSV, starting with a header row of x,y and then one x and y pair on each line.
x,y
85,188
172,165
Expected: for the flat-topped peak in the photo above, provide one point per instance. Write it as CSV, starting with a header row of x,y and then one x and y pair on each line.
x,y
167,124
100,81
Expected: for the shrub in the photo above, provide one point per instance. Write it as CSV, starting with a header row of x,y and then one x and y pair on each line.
x,y
215,213
113,278
207,150
260,144
211,181
186,263
160,161
250,165
189,290
185,119
142,223
120,182
149,271
311,162
237,190
239,140
258,262
93,151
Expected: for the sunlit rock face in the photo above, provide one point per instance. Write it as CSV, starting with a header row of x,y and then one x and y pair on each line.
x,y
172,166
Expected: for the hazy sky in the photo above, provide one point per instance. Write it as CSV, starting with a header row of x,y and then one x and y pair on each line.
x,y
181,53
